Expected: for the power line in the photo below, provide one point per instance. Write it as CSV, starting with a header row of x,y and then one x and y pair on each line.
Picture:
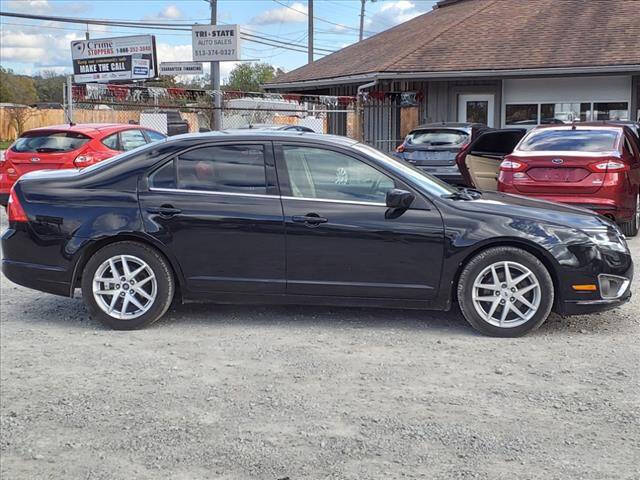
x,y
160,26
320,19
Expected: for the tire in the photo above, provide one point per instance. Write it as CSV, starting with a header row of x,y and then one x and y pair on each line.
x,y
536,289
152,288
630,228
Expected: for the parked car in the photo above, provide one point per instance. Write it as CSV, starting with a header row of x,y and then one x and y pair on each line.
x,y
433,148
288,128
276,217
591,165
176,125
68,146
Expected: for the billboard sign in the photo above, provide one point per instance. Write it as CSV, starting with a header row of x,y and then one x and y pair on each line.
x,y
114,59
215,43
181,68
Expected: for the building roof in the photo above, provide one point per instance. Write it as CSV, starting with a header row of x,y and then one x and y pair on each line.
x,y
491,37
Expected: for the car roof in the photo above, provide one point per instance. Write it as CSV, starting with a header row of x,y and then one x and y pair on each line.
x,y
266,135
89,128
581,126
449,125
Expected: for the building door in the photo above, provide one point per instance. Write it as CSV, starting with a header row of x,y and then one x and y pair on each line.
x,y
476,109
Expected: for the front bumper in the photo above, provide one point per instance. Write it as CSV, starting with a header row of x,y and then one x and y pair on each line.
x,y
595,302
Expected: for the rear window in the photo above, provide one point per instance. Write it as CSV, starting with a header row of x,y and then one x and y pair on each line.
x,y
570,141
437,137
50,142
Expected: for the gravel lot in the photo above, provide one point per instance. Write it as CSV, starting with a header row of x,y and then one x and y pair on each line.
x,y
307,393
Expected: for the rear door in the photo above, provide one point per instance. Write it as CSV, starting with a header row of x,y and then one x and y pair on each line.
x,y
434,147
480,162
218,208
563,161
45,150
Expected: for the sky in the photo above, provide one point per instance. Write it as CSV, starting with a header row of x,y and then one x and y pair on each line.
x,y
30,46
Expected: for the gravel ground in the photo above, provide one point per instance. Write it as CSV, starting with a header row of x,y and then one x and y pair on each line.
x,y
241,392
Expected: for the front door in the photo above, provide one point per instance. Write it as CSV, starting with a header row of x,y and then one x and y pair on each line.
x,y
218,209
476,109
341,240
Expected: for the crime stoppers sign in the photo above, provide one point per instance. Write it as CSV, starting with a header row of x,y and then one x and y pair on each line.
x,y
215,43
114,59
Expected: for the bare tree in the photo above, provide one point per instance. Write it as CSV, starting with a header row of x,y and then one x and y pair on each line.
x,y
18,117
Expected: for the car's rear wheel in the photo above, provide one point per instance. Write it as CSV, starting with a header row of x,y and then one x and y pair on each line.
x,y
127,285
505,292
630,228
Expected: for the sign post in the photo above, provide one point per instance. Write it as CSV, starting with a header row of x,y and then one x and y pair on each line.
x,y
215,43
114,59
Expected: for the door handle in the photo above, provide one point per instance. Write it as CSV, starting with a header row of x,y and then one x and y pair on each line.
x,y
309,219
164,210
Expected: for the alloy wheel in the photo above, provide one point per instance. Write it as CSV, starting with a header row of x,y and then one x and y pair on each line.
x,y
506,294
124,287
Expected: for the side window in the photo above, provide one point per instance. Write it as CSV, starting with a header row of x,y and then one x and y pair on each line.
x,y
155,136
130,139
111,142
164,177
319,173
228,168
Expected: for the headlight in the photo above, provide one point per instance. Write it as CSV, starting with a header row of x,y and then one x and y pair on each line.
x,y
608,238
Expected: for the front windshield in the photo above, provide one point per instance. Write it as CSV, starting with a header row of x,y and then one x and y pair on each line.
x,y
420,179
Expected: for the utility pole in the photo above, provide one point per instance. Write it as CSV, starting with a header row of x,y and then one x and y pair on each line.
x,y
216,116
310,16
362,2
86,34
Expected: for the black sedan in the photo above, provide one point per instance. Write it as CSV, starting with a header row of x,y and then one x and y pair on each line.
x,y
278,217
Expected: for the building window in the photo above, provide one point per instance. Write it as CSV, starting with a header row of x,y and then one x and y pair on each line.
x,y
611,111
564,112
478,111
526,114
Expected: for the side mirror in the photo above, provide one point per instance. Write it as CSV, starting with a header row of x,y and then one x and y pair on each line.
x,y
397,198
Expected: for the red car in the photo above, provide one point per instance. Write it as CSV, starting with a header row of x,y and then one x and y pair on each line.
x,y
590,165
68,146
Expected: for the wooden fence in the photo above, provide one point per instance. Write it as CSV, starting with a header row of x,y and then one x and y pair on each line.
x,y
36,118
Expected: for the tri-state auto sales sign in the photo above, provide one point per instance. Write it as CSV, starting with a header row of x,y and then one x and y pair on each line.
x,y
114,59
215,43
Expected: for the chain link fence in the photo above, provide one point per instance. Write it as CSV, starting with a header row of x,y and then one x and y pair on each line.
x,y
179,110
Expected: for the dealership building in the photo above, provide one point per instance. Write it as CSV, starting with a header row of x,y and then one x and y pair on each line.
x,y
500,62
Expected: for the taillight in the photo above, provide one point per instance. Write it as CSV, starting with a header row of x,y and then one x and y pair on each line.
x,y
610,166
400,148
84,160
512,166
15,212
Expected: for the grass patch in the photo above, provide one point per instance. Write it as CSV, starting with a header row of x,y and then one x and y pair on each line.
x,y
4,144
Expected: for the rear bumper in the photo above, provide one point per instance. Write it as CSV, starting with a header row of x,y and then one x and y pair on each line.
x,y
19,266
603,206
5,187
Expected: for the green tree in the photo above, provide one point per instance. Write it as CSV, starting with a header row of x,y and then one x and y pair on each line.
x,y
249,77
49,86
17,88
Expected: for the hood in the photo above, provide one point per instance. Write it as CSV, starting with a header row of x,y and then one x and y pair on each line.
x,y
525,208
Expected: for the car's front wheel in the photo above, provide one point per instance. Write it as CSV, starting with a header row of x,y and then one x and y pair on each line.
x,y
127,285
505,292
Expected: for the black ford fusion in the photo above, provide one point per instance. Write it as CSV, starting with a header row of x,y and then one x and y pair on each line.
x,y
269,217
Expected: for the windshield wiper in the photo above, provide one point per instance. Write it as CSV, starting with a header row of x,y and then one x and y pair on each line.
x,y
464,193
49,150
